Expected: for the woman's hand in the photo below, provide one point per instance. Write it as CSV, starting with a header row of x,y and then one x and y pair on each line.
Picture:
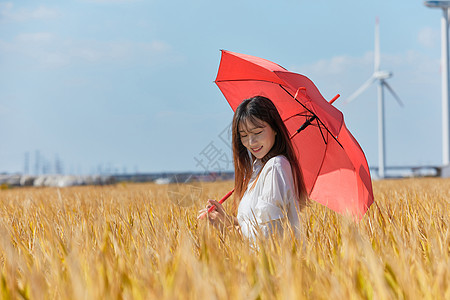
x,y
218,216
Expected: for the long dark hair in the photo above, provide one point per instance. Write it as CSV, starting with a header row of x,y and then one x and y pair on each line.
x,y
255,110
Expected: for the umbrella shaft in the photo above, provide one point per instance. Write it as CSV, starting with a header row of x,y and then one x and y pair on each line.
x,y
307,123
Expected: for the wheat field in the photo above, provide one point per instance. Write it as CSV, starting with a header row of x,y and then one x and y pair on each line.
x,y
143,241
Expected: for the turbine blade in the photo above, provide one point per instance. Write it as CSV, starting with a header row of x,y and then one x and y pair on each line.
x,y
376,54
393,93
359,91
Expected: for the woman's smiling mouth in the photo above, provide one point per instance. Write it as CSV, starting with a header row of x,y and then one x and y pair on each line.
x,y
257,149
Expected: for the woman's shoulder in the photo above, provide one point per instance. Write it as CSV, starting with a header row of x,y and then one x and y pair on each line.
x,y
279,161
279,169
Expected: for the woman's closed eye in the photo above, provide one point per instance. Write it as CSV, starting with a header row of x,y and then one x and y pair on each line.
x,y
254,133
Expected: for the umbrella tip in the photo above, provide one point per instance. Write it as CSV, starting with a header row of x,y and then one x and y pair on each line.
x,y
334,98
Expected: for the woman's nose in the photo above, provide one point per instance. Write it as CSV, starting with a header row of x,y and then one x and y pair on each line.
x,y
251,140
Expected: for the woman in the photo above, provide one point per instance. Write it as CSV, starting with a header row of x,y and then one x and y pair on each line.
x,y
269,187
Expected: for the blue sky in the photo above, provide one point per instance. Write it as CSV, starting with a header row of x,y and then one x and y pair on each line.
x,y
128,85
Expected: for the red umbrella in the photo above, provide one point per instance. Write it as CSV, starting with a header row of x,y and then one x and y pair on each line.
x,y
334,167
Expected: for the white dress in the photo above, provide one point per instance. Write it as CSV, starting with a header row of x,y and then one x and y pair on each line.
x,y
271,199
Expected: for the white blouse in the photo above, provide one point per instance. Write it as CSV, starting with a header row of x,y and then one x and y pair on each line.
x,y
272,198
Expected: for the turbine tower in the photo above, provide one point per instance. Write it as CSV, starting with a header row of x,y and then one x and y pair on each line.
x,y
380,76
444,5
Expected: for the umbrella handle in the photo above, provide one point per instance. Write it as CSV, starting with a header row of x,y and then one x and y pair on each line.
x,y
220,201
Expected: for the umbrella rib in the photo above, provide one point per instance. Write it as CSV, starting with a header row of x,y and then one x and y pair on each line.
x,y
318,119
334,137
296,115
321,132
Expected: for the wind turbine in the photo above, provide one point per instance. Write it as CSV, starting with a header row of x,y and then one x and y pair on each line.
x,y
380,76
445,6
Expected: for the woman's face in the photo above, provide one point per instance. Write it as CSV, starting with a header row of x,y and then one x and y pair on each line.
x,y
257,139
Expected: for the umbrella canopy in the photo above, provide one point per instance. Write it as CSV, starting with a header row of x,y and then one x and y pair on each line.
x,y
334,166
